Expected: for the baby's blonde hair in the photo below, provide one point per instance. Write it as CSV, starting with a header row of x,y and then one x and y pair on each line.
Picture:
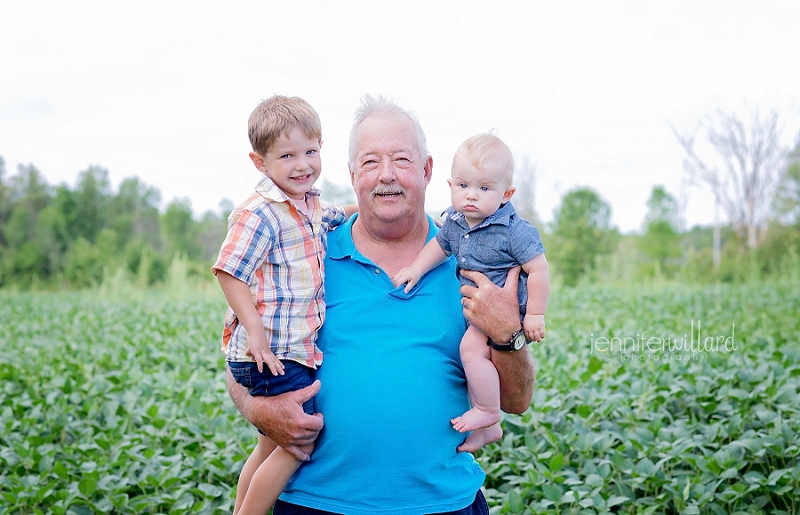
x,y
278,115
484,147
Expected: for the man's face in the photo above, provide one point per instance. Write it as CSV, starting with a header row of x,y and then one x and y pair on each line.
x,y
389,175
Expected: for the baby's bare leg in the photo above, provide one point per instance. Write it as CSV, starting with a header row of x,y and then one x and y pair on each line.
x,y
269,480
482,382
263,449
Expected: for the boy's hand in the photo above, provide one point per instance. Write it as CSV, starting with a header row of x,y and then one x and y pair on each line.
x,y
408,276
534,327
258,348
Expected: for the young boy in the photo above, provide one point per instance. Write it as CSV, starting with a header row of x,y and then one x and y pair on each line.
x,y
270,268
485,234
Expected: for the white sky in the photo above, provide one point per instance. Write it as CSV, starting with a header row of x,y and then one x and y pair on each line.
x,y
586,90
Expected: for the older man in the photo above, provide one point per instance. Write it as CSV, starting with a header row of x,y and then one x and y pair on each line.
x,y
391,379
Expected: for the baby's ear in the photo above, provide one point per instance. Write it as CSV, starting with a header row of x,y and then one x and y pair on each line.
x,y
508,194
258,161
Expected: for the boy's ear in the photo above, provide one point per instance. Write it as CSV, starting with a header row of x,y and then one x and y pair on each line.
x,y
258,161
508,194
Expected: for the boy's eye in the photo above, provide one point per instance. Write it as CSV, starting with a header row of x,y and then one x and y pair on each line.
x,y
311,152
286,156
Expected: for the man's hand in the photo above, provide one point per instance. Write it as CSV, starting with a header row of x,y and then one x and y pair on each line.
x,y
493,310
281,417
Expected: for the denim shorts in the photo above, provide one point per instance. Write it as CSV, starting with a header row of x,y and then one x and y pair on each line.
x,y
478,507
264,384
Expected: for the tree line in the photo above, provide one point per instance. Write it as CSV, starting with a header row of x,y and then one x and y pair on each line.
x,y
58,236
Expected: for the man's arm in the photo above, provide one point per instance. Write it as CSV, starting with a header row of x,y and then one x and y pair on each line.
x,y
281,417
495,311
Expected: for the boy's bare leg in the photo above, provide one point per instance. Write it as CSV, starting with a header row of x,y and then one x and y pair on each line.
x,y
263,449
269,480
483,383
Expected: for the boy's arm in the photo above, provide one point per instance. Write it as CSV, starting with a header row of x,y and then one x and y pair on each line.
x,y
237,293
431,255
538,295
350,210
495,311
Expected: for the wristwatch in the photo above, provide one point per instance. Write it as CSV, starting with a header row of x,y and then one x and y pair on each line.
x,y
518,341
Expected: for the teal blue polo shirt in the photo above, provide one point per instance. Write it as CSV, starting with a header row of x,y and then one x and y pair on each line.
x,y
391,381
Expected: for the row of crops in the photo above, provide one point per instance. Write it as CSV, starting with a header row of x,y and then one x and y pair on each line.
x,y
118,405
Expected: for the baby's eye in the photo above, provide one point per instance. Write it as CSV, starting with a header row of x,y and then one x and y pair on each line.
x,y
484,188
462,185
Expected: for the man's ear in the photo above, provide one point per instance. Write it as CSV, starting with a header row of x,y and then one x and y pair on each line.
x,y
508,194
258,161
428,169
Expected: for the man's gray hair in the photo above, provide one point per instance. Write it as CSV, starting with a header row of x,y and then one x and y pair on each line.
x,y
381,105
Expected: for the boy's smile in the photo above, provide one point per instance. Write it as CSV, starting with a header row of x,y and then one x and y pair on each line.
x,y
293,163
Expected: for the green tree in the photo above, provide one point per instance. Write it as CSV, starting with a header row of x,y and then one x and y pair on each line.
x,y
133,212
661,240
92,200
581,233
180,230
787,201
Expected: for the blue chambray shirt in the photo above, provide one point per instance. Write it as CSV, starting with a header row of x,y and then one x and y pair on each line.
x,y
502,241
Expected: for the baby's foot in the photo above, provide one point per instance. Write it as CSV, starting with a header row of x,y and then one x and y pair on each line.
x,y
475,419
481,437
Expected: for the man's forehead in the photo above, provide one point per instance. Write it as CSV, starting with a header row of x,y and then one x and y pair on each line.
x,y
386,133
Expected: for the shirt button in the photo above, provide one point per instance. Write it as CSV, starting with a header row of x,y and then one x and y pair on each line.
x,y
377,271
466,236
463,260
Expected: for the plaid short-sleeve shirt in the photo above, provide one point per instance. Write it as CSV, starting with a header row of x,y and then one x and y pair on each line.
x,y
279,251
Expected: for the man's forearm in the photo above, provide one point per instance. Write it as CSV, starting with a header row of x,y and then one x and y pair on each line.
x,y
517,373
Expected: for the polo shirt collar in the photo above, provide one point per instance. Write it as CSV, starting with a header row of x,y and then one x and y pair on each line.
x,y
341,244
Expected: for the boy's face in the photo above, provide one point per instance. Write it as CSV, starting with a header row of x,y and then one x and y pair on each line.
x,y
292,162
475,193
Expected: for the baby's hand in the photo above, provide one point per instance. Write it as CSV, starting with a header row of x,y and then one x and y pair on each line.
x,y
534,327
406,275
258,348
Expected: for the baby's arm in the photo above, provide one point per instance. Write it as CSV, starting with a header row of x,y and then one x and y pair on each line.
x,y
238,295
429,257
538,294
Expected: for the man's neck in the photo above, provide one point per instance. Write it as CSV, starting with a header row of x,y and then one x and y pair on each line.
x,y
391,246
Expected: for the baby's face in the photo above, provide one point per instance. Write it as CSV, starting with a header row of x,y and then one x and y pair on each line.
x,y
475,193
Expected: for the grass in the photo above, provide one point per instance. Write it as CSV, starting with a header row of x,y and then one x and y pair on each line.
x,y
96,415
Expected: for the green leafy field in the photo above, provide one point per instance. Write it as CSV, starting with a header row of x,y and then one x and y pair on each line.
x,y
95,416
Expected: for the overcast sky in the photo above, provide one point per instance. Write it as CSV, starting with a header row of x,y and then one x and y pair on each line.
x,y
584,90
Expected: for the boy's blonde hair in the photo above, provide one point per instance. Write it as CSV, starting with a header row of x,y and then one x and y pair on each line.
x,y
278,115
487,147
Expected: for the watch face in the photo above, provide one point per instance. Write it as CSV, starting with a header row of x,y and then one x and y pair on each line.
x,y
518,341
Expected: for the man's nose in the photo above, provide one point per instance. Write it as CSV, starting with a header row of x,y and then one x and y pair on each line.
x,y
386,169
